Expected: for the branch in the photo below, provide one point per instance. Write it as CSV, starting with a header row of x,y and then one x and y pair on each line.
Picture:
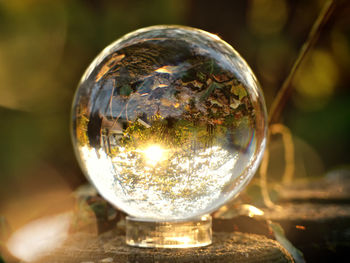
x,y
286,90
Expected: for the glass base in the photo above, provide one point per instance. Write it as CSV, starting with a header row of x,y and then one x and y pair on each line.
x,y
176,234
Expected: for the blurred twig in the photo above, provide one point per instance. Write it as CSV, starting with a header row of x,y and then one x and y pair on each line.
x,y
288,150
286,89
281,100
263,180
289,162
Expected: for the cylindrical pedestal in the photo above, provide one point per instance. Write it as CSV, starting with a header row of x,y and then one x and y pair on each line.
x,y
175,234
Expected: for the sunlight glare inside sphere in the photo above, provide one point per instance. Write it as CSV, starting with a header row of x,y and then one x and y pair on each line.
x,y
154,154
169,123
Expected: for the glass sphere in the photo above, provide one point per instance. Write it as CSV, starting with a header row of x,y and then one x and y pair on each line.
x,y
169,123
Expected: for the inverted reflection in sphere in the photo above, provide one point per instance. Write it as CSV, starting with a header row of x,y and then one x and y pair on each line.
x,y
169,123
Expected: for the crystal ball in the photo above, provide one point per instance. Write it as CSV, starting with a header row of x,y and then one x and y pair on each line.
x,y
169,123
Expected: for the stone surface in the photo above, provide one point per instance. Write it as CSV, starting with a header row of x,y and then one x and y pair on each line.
x,y
317,222
331,189
226,247
315,216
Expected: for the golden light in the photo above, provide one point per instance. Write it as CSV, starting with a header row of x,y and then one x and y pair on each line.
x,y
300,227
39,237
251,211
267,17
316,81
185,240
154,154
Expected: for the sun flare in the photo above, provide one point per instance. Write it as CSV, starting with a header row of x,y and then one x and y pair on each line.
x,y
154,154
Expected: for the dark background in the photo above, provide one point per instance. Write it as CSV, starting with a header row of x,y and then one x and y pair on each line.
x,y
45,46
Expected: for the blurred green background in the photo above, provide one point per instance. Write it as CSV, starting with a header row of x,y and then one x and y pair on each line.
x,y
45,46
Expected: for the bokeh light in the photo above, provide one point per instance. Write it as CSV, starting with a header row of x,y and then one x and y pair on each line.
x,y
266,17
39,237
316,81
